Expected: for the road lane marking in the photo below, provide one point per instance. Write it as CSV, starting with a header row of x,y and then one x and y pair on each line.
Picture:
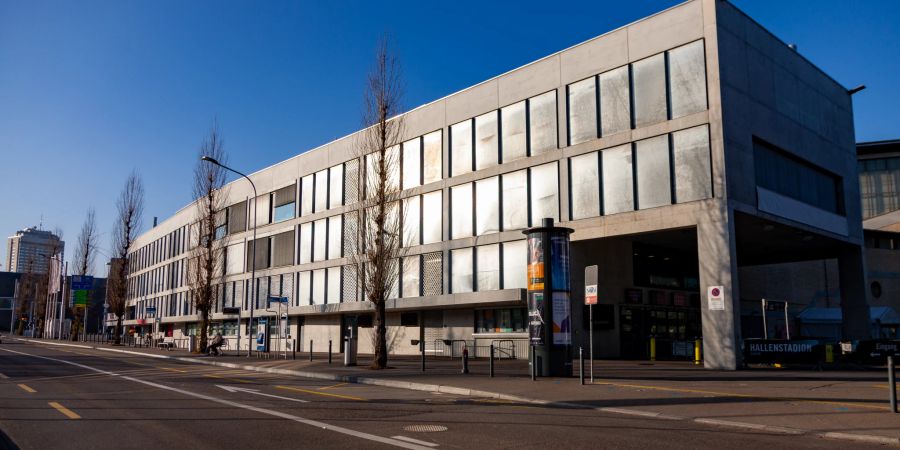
x,y
68,412
332,386
27,389
314,423
3,377
256,392
172,369
414,441
236,380
327,394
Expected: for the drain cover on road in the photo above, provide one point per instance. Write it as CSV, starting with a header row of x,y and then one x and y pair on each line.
x,y
424,428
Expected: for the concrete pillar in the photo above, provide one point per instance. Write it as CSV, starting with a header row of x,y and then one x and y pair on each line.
x,y
718,267
855,309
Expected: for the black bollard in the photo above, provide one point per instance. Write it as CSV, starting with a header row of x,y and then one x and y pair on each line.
x,y
422,347
465,360
492,360
892,383
581,364
329,351
294,349
533,364
310,350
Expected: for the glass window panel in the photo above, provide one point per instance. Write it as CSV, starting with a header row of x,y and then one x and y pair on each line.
x,y
649,90
263,211
432,217
488,266
283,251
513,132
687,79
615,102
514,264
336,186
582,111
321,191
320,241
411,215
515,200
234,259
304,288
412,163
486,144
461,268
618,187
585,191
335,237
432,156
487,206
306,242
692,166
284,212
461,213
306,195
544,193
334,285
411,276
461,148
542,122
653,182
318,287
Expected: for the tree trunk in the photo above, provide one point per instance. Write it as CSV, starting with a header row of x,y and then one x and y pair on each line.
x,y
204,326
118,336
381,351
76,324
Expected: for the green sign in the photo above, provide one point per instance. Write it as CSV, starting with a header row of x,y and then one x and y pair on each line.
x,y
80,298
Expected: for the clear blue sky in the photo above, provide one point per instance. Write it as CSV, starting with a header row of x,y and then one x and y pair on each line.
x,y
91,89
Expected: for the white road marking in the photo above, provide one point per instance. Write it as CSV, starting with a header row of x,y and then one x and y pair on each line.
x,y
53,343
414,441
310,422
256,392
3,377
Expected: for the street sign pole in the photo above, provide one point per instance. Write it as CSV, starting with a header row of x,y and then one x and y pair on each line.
x,y
787,324
765,327
591,274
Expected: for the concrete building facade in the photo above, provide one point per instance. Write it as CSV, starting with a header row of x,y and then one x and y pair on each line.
x,y
30,250
679,148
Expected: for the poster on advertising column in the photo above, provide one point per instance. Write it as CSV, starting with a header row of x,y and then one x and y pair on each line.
x,y
562,321
536,317
535,264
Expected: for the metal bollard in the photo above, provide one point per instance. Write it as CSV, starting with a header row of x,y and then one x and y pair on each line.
x,y
422,347
581,364
492,361
892,381
697,347
310,350
294,349
329,351
465,360
652,348
533,364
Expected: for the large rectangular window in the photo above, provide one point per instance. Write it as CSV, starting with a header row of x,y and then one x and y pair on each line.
x,y
412,163
320,242
615,101
649,90
318,286
687,79
336,186
618,187
582,111
461,148
544,192
653,182
283,251
432,217
515,200
237,218
488,267
411,276
333,291
335,237
461,211
486,140
412,213
505,320
690,149
304,288
285,200
306,195
584,172
542,123
461,270
487,206
514,264
306,231
778,171
321,190
432,155
234,259
263,210
513,132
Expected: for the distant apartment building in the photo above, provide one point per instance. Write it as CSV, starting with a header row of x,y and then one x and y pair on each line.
x,y
29,250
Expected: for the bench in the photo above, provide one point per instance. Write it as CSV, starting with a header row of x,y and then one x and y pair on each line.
x,y
168,345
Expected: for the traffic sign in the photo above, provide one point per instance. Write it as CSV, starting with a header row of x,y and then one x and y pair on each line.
x,y
273,299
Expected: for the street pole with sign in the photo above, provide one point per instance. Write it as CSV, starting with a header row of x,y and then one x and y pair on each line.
x,y
590,299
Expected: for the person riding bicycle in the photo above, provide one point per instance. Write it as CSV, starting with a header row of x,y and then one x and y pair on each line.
x,y
217,342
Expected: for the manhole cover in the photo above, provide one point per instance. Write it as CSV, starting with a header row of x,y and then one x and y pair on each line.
x,y
424,428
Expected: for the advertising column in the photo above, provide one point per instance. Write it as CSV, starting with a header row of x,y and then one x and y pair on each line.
x,y
549,293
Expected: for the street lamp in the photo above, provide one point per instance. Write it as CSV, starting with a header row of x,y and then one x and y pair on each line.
x,y
253,259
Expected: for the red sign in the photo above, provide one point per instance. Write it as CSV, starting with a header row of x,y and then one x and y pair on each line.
x,y
590,294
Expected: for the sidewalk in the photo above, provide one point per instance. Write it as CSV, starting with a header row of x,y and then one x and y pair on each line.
x,y
836,404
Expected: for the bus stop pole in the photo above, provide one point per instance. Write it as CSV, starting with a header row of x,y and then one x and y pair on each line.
x,y
892,382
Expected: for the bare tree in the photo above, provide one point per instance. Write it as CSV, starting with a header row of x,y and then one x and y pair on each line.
x,y
206,268
375,241
85,254
129,213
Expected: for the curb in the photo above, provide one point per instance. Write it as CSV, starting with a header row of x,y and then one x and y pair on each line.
x,y
445,389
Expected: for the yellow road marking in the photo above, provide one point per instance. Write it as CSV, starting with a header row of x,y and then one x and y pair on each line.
x,y
172,369
27,389
238,380
348,397
332,386
733,394
68,412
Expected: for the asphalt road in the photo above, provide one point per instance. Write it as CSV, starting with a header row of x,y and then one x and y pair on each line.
x,y
57,397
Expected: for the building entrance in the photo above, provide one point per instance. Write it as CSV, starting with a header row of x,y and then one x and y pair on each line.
x,y
673,328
